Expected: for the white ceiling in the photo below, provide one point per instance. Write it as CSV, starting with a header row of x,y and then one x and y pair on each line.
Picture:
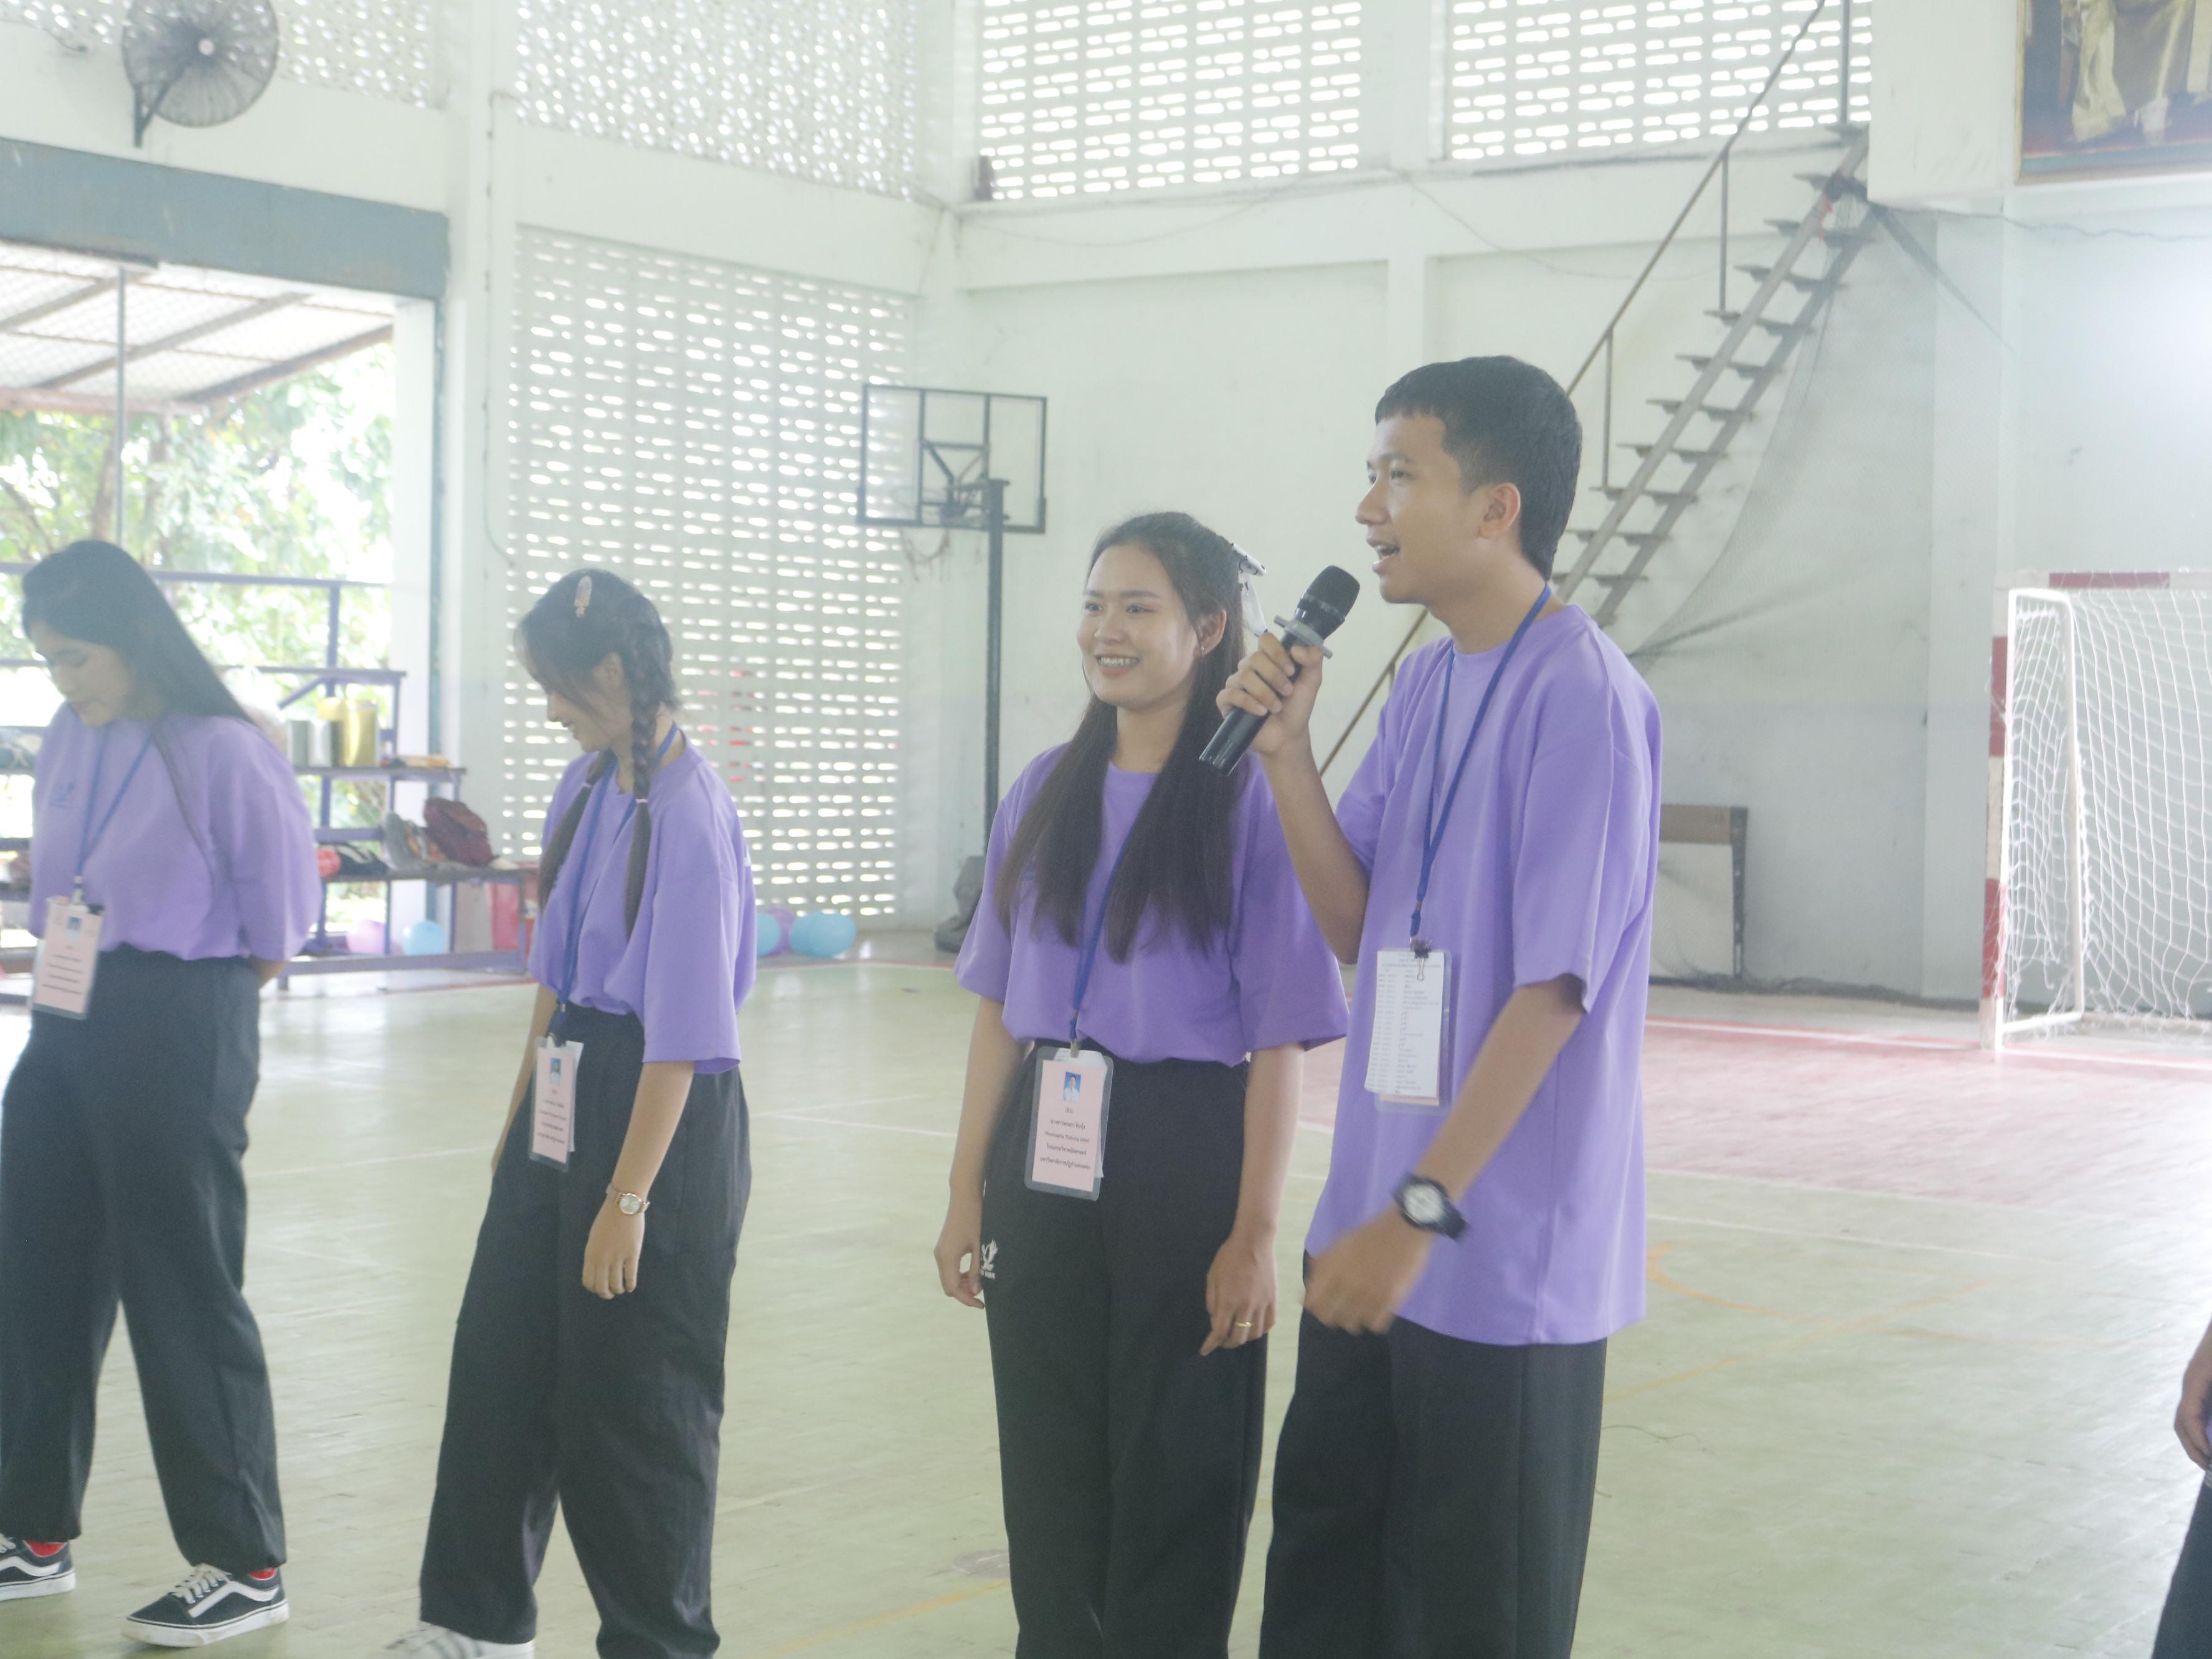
x,y
193,335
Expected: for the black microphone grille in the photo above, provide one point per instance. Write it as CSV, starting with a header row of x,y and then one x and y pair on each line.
x,y
1329,599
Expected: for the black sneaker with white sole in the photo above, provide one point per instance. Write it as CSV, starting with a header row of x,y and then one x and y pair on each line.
x,y
211,1605
28,1569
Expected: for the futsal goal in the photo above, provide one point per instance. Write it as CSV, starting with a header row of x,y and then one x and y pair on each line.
x,y
2098,908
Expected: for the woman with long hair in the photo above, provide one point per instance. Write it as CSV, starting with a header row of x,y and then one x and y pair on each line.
x,y
587,1360
1150,978
166,896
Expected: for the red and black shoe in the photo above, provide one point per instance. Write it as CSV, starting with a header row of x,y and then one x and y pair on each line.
x,y
28,1569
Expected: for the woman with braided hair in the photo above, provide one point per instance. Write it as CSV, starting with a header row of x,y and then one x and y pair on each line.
x,y
588,1359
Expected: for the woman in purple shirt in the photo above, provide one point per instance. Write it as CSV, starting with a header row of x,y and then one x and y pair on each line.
x,y
1151,977
587,1362
173,873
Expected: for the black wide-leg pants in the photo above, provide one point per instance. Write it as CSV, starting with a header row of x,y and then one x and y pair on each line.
x,y
612,1408
1129,1465
1432,1498
121,1181
2184,1629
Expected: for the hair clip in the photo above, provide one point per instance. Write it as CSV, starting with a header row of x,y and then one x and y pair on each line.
x,y
1248,569
583,595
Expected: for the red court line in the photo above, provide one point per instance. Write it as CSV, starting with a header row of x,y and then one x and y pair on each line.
x,y
1941,1045
1808,1033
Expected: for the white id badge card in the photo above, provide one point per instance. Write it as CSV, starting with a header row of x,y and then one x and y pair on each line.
x,y
1412,1029
553,1118
1067,1131
68,959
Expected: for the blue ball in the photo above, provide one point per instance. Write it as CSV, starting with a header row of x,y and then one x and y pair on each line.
x,y
824,934
768,936
424,938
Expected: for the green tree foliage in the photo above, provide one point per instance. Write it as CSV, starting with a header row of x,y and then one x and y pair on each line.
x,y
292,479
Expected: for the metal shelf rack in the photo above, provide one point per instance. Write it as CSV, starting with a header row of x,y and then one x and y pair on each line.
x,y
323,953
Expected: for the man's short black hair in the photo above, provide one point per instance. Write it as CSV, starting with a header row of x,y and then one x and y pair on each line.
x,y
1505,421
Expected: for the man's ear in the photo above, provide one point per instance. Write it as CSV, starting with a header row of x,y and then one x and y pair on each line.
x,y
1501,511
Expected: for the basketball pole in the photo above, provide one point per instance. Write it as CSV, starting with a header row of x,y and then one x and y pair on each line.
x,y
994,524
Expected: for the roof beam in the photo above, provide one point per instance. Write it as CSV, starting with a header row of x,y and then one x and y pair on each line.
x,y
31,402
253,380
171,342
90,291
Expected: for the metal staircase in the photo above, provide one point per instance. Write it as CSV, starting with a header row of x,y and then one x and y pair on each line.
x,y
1673,468
1786,304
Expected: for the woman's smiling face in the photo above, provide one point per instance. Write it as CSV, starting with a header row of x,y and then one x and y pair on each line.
x,y
1139,644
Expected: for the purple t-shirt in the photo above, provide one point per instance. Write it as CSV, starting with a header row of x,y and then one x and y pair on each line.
x,y
685,970
1269,980
218,860
1546,869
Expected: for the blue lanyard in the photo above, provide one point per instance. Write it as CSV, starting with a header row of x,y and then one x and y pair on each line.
x,y
93,832
1433,823
581,862
1092,934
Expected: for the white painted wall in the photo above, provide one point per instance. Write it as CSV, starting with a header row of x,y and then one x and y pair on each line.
x,y
1247,400
2077,443
2114,318
491,175
1945,86
1840,687
1220,352
2066,428
1241,398
1797,685
1167,327
308,137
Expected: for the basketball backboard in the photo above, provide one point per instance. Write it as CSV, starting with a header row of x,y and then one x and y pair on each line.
x,y
926,452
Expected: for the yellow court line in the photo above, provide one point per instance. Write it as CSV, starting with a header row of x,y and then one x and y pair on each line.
x,y
1658,1275
2030,1341
861,1626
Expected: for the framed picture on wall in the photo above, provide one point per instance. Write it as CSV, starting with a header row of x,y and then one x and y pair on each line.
x,y
2115,86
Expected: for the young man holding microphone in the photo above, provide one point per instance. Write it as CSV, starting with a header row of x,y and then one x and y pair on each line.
x,y
1490,870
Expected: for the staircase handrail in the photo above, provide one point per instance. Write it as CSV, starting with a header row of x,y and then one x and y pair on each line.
x,y
1604,347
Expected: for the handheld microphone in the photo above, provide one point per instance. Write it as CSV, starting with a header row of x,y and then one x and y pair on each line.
x,y
1319,614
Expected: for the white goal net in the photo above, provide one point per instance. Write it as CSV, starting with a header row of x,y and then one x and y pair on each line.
x,y
2099,903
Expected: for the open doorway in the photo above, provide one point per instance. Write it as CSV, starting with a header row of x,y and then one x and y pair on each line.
x,y
236,433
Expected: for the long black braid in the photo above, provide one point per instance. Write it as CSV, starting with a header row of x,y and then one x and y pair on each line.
x,y
564,637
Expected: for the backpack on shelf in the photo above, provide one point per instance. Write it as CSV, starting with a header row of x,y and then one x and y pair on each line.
x,y
458,834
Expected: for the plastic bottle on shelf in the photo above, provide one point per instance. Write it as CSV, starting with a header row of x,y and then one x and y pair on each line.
x,y
359,726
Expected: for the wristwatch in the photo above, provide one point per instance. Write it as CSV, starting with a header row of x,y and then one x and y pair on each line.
x,y
633,1203
1427,1205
